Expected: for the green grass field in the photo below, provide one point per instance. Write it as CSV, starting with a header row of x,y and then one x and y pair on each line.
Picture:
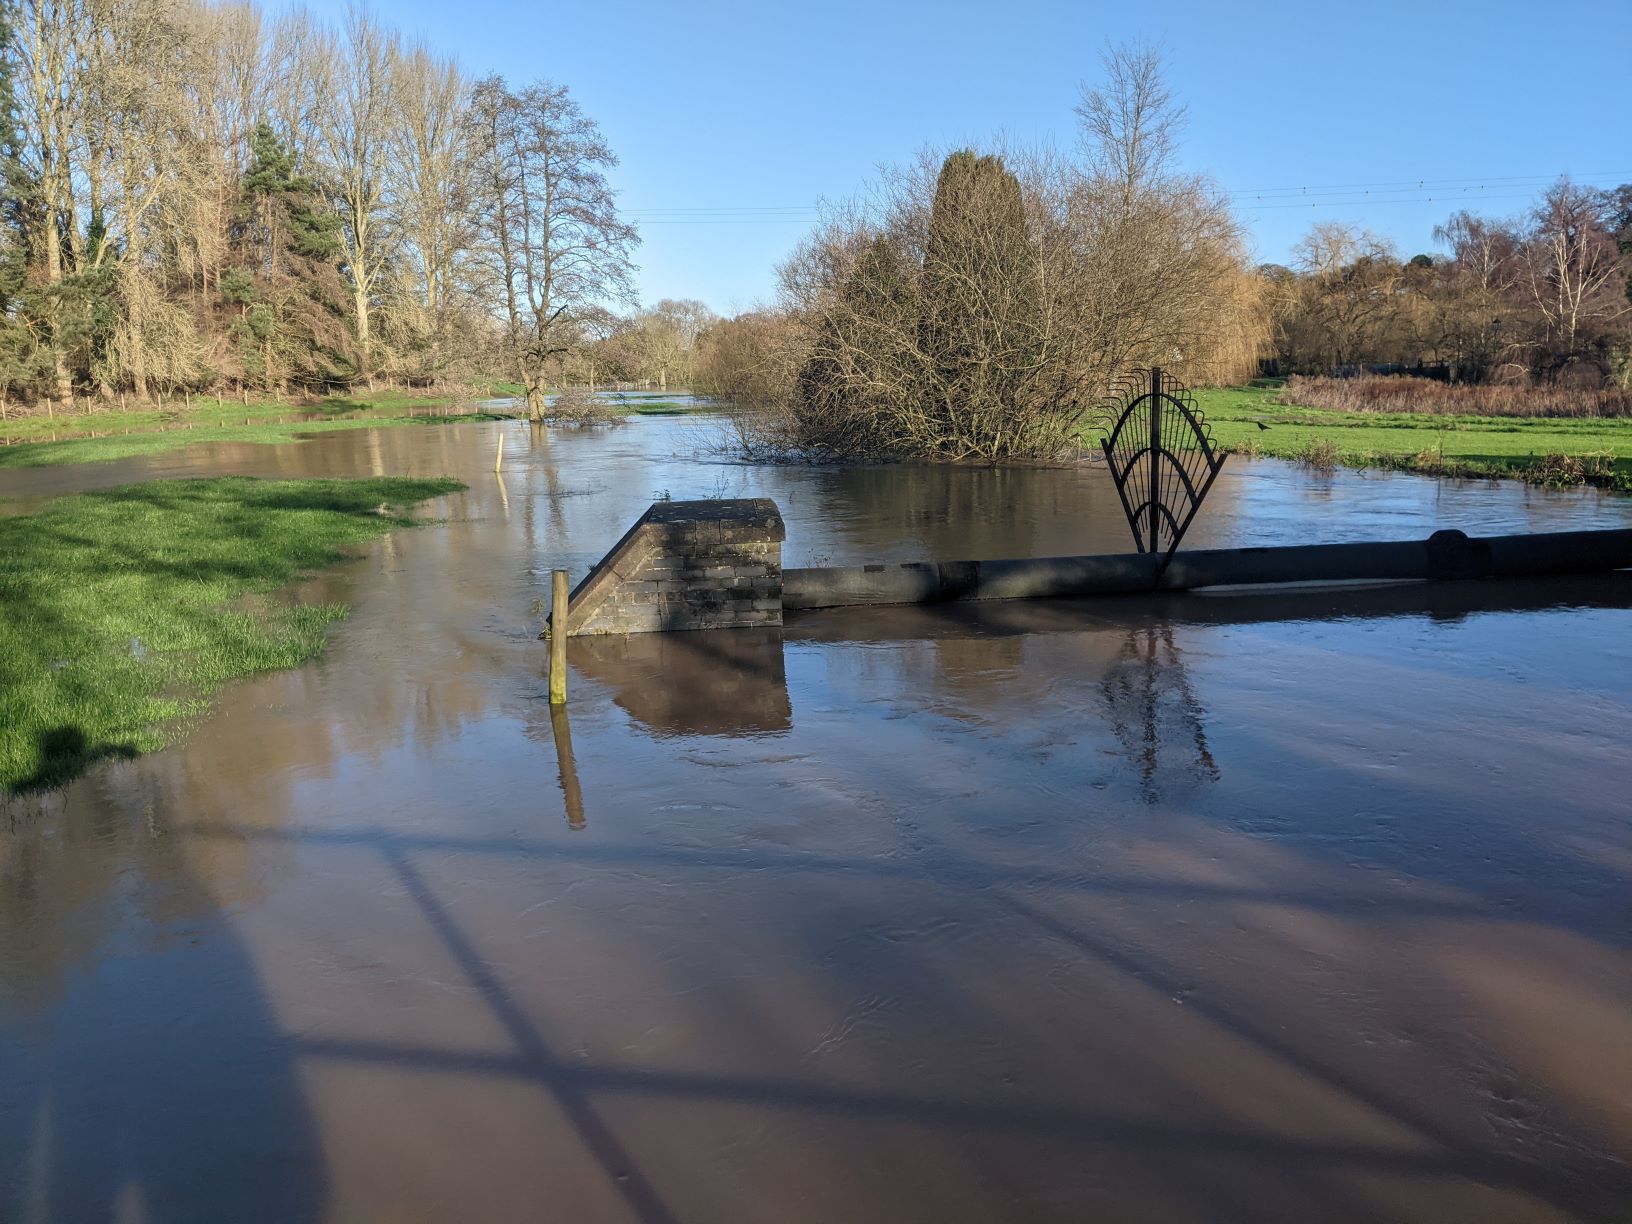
x,y
1247,420
121,611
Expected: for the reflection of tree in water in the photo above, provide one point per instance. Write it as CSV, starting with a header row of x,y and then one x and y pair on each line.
x,y
955,512
1155,713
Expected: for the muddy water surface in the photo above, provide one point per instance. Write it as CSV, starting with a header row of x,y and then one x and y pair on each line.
x,y
1222,908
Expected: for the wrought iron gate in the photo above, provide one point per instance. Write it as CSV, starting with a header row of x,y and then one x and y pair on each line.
x,y
1162,458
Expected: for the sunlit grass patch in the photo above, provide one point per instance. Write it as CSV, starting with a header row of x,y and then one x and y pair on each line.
x,y
123,610
1550,451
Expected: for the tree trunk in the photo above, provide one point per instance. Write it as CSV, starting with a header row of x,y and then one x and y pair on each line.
x,y
536,387
364,338
53,276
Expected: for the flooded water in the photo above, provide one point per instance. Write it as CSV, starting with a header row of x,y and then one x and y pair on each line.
x,y
1223,908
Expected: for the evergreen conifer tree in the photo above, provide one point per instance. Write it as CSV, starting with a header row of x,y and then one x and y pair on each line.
x,y
982,304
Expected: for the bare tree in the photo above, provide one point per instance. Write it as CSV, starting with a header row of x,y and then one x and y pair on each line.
x,y
550,222
50,40
146,54
1474,292
1130,123
663,339
226,92
1348,299
1575,276
1159,268
430,167
353,129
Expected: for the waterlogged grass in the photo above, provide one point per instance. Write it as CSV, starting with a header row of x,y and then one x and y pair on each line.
x,y
1247,420
123,446
121,611
40,441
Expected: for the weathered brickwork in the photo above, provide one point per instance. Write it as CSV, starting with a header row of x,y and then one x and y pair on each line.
x,y
688,565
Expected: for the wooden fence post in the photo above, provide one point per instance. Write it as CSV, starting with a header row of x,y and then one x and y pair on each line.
x,y
558,637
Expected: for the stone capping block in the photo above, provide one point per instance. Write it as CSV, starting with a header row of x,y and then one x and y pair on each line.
x,y
680,567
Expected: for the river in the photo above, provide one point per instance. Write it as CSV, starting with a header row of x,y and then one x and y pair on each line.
x,y
1229,907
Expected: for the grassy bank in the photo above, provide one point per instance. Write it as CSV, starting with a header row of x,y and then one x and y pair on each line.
x,y
121,611
1249,421
40,441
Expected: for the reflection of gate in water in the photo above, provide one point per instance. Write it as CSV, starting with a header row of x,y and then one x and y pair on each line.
x,y
1162,458
1155,713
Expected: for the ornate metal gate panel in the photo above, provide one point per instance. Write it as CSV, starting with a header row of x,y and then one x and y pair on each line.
x,y
1162,458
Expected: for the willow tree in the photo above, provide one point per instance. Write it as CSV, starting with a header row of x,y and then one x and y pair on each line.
x,y
1157,272
550,225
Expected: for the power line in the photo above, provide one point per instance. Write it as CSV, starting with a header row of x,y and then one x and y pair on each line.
x,y
1367,201
1478,188
1422,183
744,209
729,221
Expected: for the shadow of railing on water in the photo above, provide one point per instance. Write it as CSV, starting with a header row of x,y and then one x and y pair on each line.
x,y
1443,1152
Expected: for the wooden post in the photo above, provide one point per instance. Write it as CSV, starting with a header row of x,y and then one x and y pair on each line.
x,y
558,637
499,461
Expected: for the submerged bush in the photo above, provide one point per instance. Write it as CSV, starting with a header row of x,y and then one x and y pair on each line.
x,y
578,408
1560,471
1318,454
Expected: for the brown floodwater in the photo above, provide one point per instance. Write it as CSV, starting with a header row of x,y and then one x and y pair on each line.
x,y
1216,908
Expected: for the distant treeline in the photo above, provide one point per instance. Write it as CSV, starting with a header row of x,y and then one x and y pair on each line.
x,y
201,198
978,307
1545,298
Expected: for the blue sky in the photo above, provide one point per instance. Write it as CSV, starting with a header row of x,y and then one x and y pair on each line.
x,y
713,105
